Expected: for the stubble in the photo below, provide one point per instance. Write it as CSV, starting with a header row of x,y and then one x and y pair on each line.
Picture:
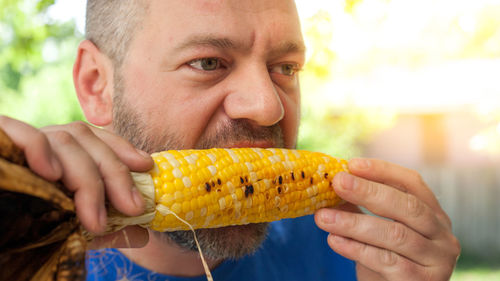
x,y
230,242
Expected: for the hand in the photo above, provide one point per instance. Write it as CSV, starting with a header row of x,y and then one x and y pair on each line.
x,y
92,163
412,238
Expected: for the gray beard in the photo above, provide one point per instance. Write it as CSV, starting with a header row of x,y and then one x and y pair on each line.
x,y
229,242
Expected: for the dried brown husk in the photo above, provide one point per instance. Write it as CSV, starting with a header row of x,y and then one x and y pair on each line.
x,y
41,238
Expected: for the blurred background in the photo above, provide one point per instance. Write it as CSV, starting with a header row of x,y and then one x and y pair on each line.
x,y
412,82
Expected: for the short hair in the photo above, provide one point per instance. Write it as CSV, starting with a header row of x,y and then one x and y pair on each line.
x,y
111,25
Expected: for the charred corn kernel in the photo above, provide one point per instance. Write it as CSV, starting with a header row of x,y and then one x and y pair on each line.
x,y
219,187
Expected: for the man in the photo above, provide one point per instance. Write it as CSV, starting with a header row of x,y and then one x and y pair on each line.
x,y
175,74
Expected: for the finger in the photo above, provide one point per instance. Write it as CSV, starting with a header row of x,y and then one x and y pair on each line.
x,y
388,202
349,207
137,160
81,175
381,233
129,237
364,273
35,145
402,178
119,186
388,264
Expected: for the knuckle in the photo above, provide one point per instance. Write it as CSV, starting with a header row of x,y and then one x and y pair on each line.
x,y
416,177
414,207
6,120
39,137
444,273
80,128
397,233
456,248
362,251
408,270
425,274
3,119
387,258
121,168
62,137
445,219
371,190
118,168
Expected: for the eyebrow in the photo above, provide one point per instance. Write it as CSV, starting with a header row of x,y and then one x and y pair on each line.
x,y
226,43
208,40
288,47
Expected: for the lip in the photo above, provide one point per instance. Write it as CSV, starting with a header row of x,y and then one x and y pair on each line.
x,y
260,144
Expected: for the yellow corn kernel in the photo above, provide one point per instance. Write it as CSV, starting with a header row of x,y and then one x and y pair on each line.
x,y
218,187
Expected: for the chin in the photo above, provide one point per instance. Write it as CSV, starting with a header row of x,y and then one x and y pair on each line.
x,y
230,242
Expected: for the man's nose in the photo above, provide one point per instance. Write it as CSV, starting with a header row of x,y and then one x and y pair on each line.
x,y
254,96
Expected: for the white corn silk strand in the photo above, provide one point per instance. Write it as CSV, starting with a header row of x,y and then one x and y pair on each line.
x,y
165,211
144,183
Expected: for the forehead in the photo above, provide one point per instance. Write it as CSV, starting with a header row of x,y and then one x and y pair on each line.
x,y
248,22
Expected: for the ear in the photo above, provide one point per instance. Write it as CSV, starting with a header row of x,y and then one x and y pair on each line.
x,y
93,80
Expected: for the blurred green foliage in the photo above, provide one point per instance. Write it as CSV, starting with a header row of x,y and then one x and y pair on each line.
x,y
470,267
36,55
37,52
340,130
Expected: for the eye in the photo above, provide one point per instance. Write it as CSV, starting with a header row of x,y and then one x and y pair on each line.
x,y
206,64
288,69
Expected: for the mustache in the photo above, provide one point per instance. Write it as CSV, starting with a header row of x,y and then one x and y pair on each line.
x,y
241,130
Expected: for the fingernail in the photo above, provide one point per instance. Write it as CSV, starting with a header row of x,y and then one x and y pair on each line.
x,y
347,181
103,217
328,217
137,197
360,164
143,153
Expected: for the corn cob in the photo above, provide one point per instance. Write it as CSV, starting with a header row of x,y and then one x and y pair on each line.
x,y
219,187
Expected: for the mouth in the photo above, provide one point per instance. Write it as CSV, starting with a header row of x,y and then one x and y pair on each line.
x,y
260,144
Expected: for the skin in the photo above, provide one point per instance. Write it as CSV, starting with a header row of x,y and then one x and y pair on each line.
x,y
162,82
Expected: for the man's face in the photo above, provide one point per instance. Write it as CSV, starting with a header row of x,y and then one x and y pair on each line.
x,y
202,74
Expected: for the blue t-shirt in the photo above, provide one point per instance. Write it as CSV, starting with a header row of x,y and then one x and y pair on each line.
x,y
295,249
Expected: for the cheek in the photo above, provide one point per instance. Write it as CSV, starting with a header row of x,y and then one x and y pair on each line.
x,y
171,109
290,122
